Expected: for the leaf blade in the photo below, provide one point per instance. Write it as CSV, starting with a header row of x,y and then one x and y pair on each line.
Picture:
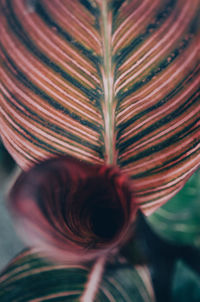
x,y
31,277
179,219
114,82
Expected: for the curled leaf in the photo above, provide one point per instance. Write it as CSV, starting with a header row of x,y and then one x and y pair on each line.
x,y
72,210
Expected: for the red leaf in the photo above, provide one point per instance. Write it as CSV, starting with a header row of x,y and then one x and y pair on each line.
x,y
72,210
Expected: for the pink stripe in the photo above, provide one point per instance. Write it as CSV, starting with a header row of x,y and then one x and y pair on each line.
x,y
136,24
68,146
24,62
52,296
167,186
172,35
44,38
134,14
150,162
165,109
194,163
62,14
151,97
63,120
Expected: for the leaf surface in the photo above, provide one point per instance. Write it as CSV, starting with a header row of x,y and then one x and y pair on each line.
x,y
179,220
107,82
186,284
72,210
31,278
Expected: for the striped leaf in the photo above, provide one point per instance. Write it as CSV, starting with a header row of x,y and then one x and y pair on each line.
x,y
30,278
71,210
178,221
105,81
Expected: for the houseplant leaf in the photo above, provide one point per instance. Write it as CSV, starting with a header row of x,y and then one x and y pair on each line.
x,y
72,210
178,221
106,82
31,278
186,284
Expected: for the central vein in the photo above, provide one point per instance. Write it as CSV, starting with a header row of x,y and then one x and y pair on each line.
x,y
108,82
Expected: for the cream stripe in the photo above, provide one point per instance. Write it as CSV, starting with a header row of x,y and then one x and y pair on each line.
x,y
94,280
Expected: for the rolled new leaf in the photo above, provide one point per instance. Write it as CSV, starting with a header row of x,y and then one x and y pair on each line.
x,y
71,210
104,81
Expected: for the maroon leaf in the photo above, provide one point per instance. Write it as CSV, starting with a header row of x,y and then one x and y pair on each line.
x,y
105,81
73,210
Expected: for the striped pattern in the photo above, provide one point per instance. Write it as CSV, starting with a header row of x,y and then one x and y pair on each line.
x,y
30,278
94,280
104,81
131,284
73,211
178,221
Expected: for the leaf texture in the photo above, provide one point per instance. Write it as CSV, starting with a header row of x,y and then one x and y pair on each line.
x,y
30,278
113,82
178,221
73,211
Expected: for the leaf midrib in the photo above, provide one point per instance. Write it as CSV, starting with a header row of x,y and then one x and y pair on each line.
x,y
108,84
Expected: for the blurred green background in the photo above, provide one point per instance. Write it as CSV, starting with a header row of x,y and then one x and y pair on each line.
x,y
10,243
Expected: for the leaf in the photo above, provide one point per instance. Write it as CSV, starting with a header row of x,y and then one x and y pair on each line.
x,y
31,278
104,81
186,284
179,220
71,210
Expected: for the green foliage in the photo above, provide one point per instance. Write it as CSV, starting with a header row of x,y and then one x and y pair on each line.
x,y
179,219
186,285
6,162
30,277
